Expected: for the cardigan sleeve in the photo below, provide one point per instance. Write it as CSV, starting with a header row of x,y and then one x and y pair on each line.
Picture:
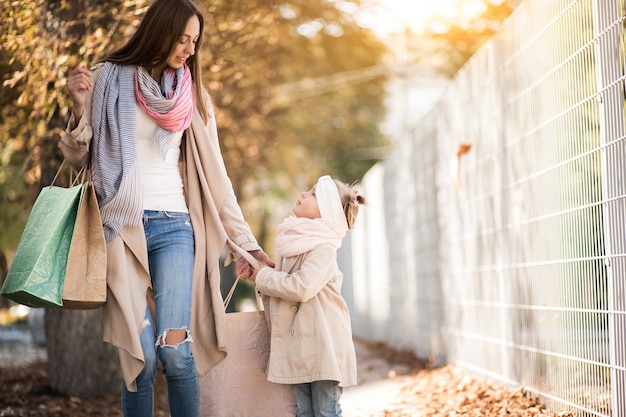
x,y
75,142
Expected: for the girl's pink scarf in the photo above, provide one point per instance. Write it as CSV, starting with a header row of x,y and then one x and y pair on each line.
x,y
296,235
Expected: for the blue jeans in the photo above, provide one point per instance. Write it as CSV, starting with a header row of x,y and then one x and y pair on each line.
x,y
318,399
170,242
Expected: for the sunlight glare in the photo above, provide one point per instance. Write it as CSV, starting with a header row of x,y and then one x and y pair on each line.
x,y
393,16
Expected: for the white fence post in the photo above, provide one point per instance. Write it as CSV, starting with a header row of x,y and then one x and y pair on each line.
x,y
610,84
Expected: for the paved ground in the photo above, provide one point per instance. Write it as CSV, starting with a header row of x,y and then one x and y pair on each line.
x,y
17,347
380,383
372,398
380,380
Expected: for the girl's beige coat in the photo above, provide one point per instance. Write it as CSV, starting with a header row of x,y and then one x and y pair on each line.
x,y
311,336
217,222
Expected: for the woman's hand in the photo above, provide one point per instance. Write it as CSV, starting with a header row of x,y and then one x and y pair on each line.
x,y
79,84
262,257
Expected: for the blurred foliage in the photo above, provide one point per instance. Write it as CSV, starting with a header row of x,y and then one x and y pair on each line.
x,y
297,87
40,42
250,47
16,314
274,141
454,42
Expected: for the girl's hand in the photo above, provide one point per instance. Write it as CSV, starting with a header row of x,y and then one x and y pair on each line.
x,y
254,274
245,270
79,84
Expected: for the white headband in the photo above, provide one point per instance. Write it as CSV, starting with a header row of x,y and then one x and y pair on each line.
x,y
329,203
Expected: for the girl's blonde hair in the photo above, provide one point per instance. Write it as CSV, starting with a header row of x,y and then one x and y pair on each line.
x,y
350,201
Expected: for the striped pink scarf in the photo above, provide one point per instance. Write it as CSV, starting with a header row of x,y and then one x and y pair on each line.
x,y
170,105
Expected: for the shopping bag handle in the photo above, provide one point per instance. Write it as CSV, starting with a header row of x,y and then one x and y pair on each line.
x,y
255,264
82,174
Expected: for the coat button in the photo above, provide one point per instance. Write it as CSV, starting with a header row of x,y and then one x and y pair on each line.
x,y
294,308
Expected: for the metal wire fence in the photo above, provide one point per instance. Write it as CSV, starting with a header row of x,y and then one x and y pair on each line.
x,y
496,235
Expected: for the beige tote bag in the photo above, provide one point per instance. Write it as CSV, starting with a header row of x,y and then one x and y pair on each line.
x,y
237,386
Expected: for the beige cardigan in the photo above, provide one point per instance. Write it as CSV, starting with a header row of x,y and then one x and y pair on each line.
x,y
217,222
311,335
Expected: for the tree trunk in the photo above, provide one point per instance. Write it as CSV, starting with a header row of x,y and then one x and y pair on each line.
x,y
79,362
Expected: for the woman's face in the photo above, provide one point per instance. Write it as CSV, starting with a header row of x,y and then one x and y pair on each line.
x,y
307,206
186,44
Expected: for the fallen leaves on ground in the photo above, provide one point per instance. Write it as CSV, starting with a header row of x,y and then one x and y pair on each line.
x,y
24,391
449,392
429,392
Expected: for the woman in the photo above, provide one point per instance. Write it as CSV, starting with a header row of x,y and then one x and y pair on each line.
x,y
144,122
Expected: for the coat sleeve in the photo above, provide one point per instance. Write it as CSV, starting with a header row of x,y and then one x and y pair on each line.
x,y
235,225
77,138
317,268
231,216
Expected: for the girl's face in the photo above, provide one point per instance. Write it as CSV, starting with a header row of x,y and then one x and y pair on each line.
x,y
307,206
186,45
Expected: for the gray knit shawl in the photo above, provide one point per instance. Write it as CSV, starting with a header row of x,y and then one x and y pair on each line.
x,y
113,151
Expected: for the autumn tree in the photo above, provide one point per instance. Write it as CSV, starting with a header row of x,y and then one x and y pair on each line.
x,y
296,97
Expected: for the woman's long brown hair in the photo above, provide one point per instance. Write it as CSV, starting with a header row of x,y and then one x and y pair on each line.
x,y
156,37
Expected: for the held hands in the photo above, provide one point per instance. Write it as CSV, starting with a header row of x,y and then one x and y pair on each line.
x,y
79,84
246,271
254,274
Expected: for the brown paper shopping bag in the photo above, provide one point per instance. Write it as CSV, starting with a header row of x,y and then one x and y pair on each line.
x,y
85,278
60,260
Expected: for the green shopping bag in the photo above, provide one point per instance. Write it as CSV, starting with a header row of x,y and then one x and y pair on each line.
x,y
37,273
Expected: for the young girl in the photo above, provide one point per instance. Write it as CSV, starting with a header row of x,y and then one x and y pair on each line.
x,y
311,338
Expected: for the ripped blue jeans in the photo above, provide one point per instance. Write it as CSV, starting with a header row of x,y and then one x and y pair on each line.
x,y
170,241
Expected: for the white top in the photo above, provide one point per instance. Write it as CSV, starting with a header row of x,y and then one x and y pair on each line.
x,y
162,184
